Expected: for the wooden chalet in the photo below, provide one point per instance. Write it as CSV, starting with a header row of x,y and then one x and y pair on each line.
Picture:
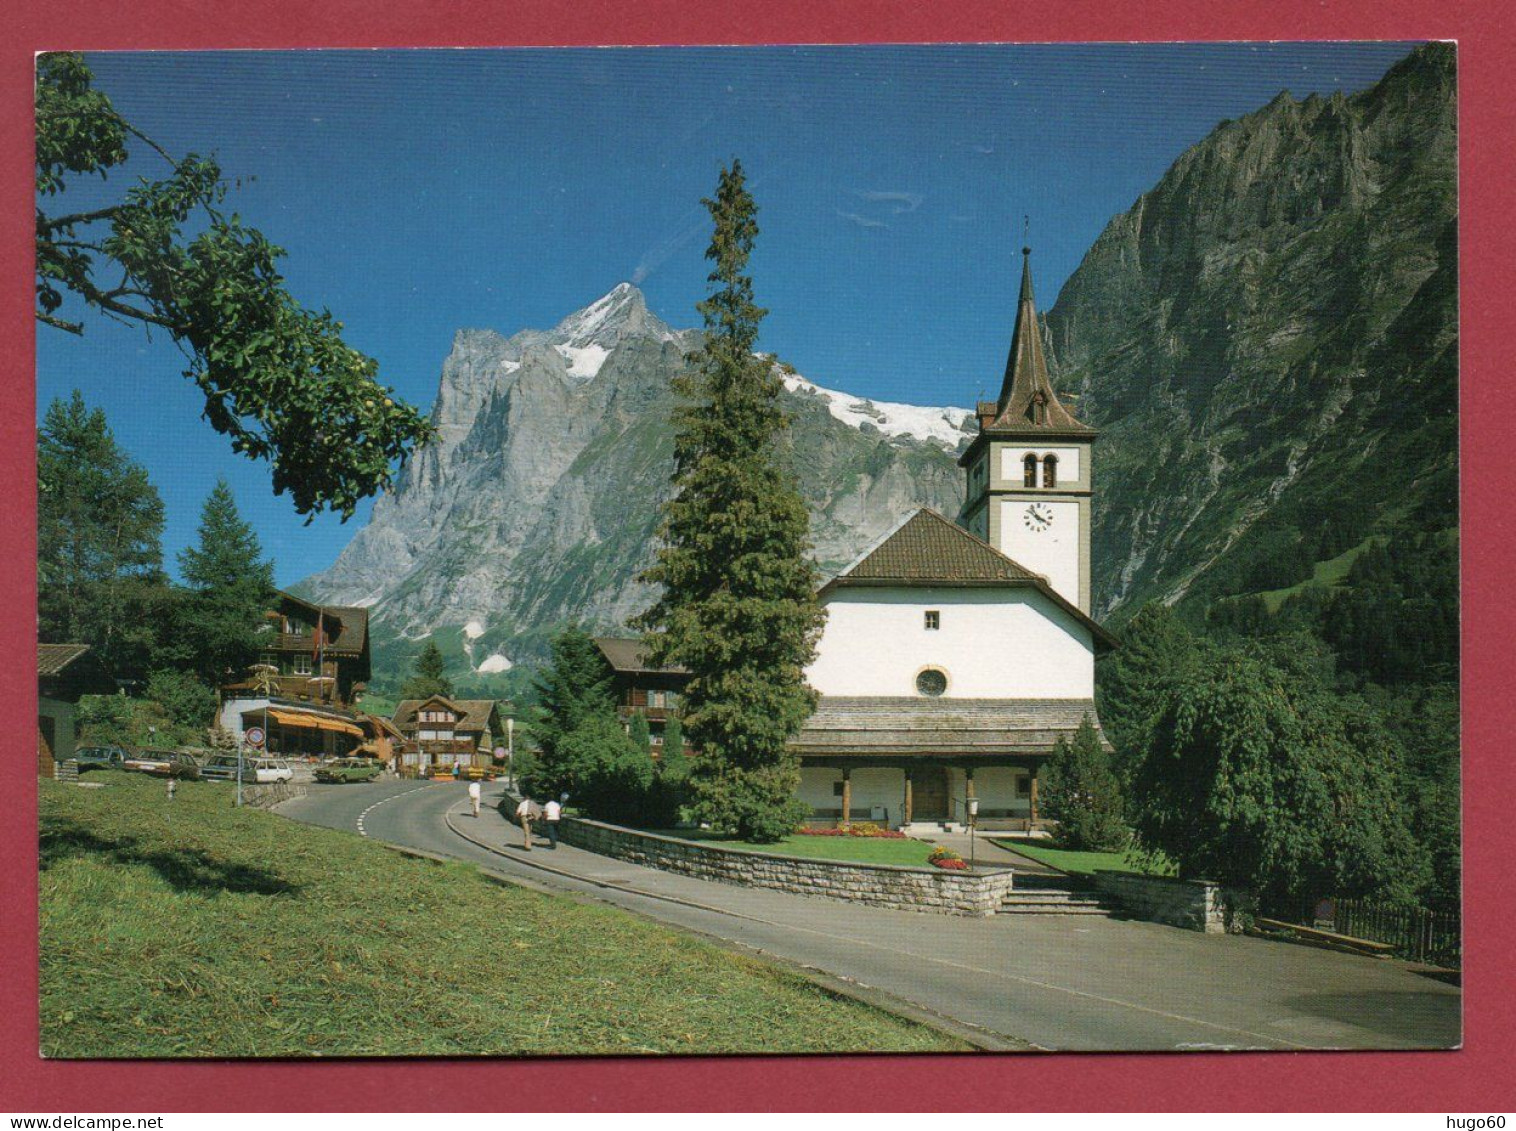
x,y
642,687
440,731
312,666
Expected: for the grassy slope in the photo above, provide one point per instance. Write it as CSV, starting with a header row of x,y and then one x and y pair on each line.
x,y
1069,860
862,850
199,930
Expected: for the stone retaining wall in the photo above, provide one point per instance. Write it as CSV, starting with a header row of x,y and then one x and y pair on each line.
x,y
879,885
1197,905
267,796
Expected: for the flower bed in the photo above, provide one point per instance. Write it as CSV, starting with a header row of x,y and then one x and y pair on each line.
x,y
947,859
858,828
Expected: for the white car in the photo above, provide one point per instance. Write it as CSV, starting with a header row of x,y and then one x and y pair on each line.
x,y
264,771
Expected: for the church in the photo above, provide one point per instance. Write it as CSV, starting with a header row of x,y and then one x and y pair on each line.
x,y
956,654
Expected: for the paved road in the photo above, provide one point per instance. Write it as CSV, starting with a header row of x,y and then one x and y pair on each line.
x,y
1078,983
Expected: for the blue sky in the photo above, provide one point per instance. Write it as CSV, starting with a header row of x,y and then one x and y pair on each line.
x,y
418,192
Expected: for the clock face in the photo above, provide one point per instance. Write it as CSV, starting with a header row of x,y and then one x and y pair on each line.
x,y
1038,517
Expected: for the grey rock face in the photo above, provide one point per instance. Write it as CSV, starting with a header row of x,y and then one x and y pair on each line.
x,y
539,501
1268,341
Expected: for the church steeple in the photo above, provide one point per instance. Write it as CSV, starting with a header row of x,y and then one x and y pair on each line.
x,y
1027,400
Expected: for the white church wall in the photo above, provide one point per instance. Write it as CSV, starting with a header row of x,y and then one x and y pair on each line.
x,y
991,643
1052,551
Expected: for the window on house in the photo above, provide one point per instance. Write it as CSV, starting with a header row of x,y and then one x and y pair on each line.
x,y
1029,471
1050,471
836,789
1023,785
657,699
302,665
933,619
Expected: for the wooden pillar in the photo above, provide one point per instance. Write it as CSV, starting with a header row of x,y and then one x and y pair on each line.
x,y
907,798
847,795
1033,799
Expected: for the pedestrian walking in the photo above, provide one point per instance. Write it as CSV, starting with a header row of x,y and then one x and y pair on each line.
x,y
527,812
551,813
474,793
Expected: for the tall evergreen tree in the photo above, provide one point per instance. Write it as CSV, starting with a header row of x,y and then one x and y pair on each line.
x,y
639,732
230,587
1080,791
430,674
100,579
575,687
738,606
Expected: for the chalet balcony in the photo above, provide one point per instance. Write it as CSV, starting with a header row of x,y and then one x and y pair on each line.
x,y
304,688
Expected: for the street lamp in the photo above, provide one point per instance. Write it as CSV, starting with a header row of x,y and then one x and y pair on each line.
x,y
973,824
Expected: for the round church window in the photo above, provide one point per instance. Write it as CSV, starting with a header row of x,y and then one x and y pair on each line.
x,y
931,682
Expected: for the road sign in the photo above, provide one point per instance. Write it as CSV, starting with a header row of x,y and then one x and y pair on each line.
x,y
500,753
254,736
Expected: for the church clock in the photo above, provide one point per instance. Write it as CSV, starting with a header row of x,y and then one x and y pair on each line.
x,y
1038,517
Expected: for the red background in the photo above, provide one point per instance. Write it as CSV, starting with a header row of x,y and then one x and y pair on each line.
x,y
1463,1081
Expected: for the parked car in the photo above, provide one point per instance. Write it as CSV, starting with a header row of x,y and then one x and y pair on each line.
x,y
163,763
102,757
223,767
348,769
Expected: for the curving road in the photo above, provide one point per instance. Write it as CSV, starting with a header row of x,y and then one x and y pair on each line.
x,y
1049,982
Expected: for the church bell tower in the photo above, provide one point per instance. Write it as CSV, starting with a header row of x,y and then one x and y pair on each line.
x,y
1029,469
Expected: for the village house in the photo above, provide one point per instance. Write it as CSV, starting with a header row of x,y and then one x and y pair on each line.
x,y
313,664
65,672
439,732
640,686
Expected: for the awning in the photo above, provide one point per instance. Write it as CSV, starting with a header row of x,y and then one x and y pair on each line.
x,y
284,716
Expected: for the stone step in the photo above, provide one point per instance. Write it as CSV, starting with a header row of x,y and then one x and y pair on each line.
x,y
1052,909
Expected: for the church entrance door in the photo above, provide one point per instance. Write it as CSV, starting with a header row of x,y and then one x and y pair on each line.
x,y
929,793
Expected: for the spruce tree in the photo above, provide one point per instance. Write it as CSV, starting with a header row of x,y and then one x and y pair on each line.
x,y
430,674
738,605
230,586
1081,793
575,687
100,577
639,732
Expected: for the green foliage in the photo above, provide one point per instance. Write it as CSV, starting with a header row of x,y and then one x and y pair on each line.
x,y
430,675
230,587
637,730
134,721
189,703
574,687
1081,792
99,558
1258,777
604,772
738,605
1155,647
673,746
277,378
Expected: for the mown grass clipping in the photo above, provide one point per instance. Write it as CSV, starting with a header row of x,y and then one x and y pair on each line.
x,y
193,929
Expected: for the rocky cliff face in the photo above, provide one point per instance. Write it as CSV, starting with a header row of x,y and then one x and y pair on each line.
x,y
539,500
1268,342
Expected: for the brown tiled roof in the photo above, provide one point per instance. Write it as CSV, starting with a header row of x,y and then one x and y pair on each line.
x,y
905,725
473,714
351,630
629,654
53,658
929,550
929,547
1026,375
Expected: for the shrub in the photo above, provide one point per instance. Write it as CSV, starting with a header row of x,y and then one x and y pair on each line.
x,y
1080,791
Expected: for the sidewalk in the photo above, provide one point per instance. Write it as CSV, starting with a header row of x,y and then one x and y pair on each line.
x,y
985,851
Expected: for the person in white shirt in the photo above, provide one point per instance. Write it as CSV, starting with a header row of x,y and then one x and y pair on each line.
x,y
552,812
473,797
526,813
